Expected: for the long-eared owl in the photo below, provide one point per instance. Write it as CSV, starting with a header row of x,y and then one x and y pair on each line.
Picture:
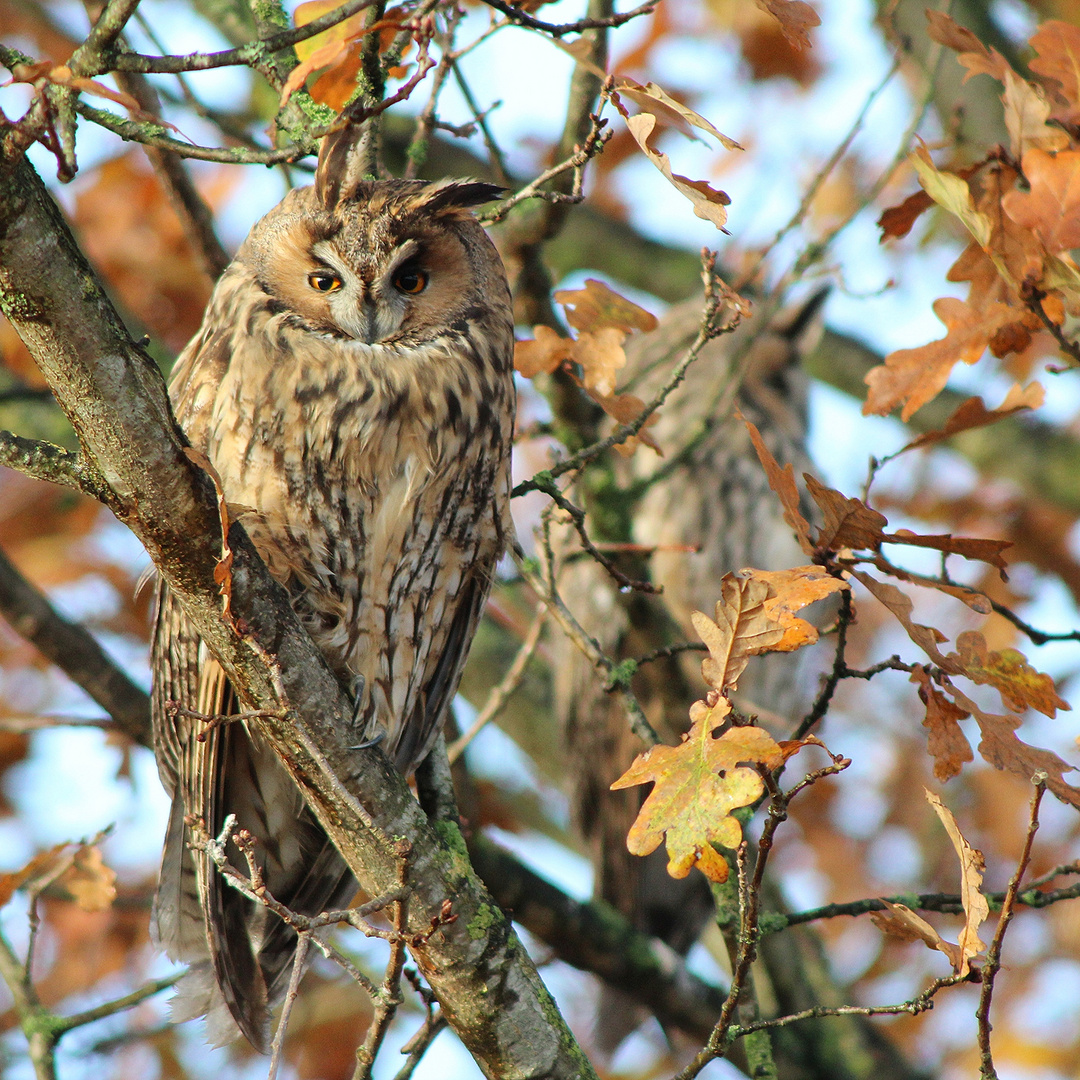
x,y
352,386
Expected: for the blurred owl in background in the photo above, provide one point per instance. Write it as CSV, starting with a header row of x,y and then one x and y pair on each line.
x,y
712,514
352,387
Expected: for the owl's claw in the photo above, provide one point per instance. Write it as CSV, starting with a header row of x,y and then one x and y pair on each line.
x,y
369,743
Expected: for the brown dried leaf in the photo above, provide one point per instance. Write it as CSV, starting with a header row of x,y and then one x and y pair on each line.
x,y
916,376
1057,44
973,413
707,201
600,354
796,19
899,603
544,354
1051,208
743,628
1020,685
947,744
972,868
903,923
653,99
988,551
849,523
1026,114
951,191
973,54
626,408
782,481
897,221
597,307
792,591
40,866
87,881
691,804
1001,747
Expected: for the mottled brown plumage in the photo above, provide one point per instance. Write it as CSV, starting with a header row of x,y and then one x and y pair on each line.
x,y
352,386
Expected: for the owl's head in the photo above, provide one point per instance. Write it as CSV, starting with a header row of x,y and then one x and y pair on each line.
x,y
377,261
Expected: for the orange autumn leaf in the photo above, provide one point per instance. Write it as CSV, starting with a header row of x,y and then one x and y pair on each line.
x,y
782,482
849,523
972,53
1057,47
742,628
913,377
38,868
900,604
792,590
1001,747
697,785
1051,208
973,413
896,221
87,881
970,547
900,921
596,306
626,408
947,744
1020,685
544,354
796,20
972,868
601,355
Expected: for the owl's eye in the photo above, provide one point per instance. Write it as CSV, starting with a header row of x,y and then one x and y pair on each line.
x,y
324,280
410,280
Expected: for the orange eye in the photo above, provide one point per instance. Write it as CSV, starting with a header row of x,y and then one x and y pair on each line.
x,y
410,280
324,280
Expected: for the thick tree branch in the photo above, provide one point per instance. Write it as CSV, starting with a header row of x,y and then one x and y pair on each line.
x,y
116,401
72,649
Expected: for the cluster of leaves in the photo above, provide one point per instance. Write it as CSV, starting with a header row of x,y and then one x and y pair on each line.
x,y
1021,207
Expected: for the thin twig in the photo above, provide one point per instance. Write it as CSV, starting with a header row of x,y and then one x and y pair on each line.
x,y
559,30
993,955
501,694
303,943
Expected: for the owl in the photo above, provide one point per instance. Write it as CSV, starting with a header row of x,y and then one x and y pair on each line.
x,y
352,386
711,514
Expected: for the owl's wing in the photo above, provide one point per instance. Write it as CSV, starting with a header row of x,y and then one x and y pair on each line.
x,y
418,736
238,952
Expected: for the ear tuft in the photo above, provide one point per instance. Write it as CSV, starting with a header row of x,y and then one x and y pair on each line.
x,y
457,195
340,170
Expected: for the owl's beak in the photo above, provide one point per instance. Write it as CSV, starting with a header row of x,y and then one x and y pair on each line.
x,y
363,325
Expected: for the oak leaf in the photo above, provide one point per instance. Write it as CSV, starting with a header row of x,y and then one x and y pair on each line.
x,y
792,591
896,221
900,604
947,744
653,99
87,881
900,921
626,408
796,20
915,376
952,192
1001,747
600,354
970,547
972,868
782,482
596,307
1020,685
742,628
707,201
849,523
543,354
1051,208
973,413
1057,47
38,868
1026,114
697,785
972,53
